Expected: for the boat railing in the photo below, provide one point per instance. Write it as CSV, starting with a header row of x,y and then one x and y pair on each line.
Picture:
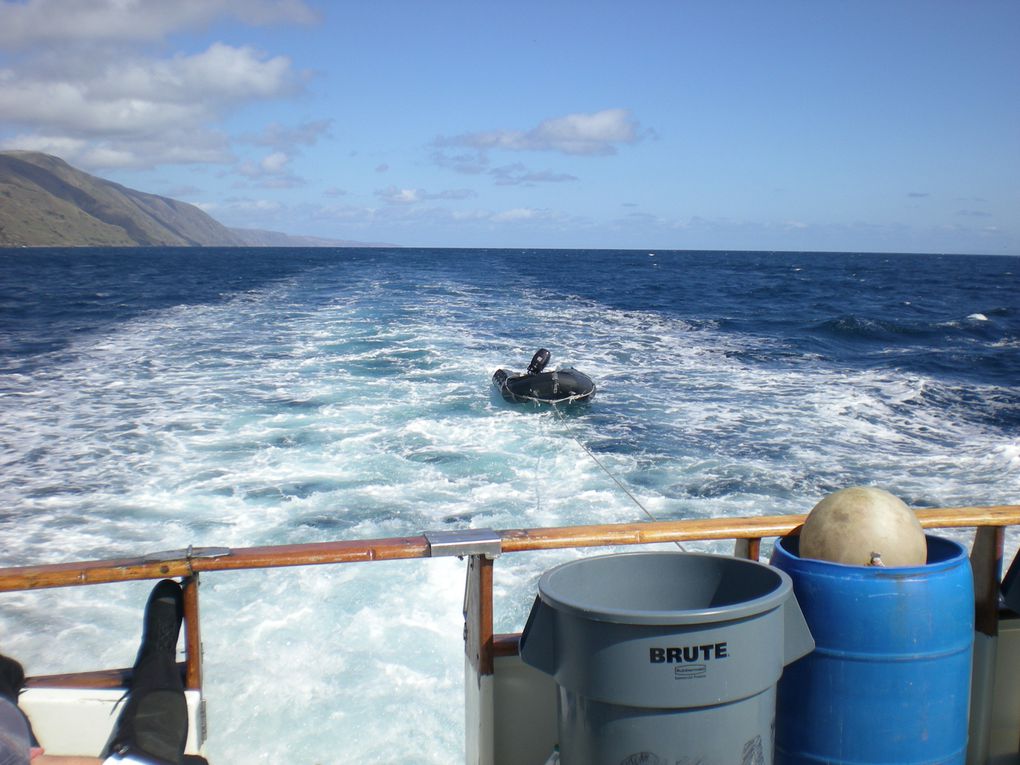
x,y
481,548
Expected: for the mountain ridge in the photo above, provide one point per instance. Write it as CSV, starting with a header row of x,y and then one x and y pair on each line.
x,y
45,202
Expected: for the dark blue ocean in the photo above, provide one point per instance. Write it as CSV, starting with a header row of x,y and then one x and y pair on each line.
x,y
152,399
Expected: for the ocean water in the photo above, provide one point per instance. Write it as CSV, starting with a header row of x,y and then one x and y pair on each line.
x,y
153,399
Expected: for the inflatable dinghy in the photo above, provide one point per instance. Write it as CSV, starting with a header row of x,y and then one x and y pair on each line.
x,y
564,386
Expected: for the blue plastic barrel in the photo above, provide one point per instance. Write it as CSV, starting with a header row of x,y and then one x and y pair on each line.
x,y
889,679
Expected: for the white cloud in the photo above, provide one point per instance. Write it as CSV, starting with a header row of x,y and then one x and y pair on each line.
x,y
513,174
396,196
79,81
137,111
286,138
251,206
69,106
469,163
272,171
467,216
596,133
455,194
171,147
61,146
275,163
517,174
138,94
226,72
516,214
23,24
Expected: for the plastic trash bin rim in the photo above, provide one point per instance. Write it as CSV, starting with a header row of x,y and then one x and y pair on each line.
x,y
770,601
958,554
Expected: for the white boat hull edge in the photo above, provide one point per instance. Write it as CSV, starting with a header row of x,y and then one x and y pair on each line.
x,y
79,721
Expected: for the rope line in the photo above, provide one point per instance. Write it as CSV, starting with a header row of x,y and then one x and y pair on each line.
x,y
607,471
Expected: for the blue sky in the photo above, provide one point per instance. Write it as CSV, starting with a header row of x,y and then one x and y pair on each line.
x,y
802,125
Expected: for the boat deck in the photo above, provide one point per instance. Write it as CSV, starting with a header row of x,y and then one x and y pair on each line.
x,y
504,697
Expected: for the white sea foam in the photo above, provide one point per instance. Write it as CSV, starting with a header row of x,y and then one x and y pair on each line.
x,y
263,420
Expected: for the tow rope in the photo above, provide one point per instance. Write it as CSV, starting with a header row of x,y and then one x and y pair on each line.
x,y
607,471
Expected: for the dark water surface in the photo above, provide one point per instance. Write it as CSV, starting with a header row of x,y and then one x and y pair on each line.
x,y
152,399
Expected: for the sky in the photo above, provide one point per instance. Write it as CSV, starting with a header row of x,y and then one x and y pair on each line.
x,y
828,125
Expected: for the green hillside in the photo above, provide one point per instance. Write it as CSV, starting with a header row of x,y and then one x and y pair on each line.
x,y
44,202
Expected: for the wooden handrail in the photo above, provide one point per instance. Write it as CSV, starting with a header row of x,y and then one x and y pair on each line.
x,y
103,678
728,528
482,645
152,567
402,548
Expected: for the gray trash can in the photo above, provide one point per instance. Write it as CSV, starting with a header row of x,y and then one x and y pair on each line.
x,y
665,658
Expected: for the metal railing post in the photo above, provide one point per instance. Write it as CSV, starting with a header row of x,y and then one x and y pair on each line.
x,y
986,564
192,635
479,662
749,548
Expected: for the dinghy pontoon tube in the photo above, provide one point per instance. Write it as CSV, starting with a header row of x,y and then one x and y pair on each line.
x,y
564,386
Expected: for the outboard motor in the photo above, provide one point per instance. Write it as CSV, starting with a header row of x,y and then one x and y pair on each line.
x,y
538,361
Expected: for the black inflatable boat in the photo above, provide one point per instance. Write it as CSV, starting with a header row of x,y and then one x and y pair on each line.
x,y
564,386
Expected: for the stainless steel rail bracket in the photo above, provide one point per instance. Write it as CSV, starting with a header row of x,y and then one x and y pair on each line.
x,y
464,542
187,554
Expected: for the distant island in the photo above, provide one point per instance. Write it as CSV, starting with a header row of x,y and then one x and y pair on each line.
x,y
44,202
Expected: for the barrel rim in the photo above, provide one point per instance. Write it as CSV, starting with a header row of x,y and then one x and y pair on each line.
x,y
959,554
771,600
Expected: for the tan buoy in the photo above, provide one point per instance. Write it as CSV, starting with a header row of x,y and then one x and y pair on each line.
x,y
863,526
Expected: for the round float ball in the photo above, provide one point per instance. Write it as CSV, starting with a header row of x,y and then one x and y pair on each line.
x,y
863,526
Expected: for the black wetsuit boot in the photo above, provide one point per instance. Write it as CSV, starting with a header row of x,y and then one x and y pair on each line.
x,y
154,722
